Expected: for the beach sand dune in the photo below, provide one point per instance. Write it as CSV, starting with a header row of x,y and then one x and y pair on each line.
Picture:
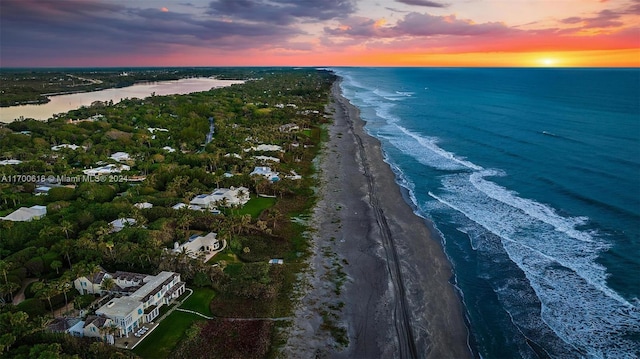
x,y
378,283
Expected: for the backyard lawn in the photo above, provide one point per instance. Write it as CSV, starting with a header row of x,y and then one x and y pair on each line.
x,y
160,342
199,301
256,205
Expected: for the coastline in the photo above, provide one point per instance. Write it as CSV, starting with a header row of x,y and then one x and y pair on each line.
x,y
377,278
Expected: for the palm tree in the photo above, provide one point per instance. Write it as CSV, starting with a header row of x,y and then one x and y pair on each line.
x,y
107,284
64,285
4,268
56,264
47,291
66,227
9,288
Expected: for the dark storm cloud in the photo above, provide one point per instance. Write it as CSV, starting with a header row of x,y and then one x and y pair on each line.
x,y
425,3
86,28
282,12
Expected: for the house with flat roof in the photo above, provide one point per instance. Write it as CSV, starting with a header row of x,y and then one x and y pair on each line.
x,y
145,295
24,214
226,197
105,170
120,156
266,172
120,223
197,246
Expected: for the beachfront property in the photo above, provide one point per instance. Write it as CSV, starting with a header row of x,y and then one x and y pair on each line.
x,y
293,176
143,305
24,214
106,170
120,223
266,172
265,148
97,326
120,156
203,247
226,197
289,127
140,297
266,159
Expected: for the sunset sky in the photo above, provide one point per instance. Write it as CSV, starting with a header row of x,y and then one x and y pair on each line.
x,y
56,33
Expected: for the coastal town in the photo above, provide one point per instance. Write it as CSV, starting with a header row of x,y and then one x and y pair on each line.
x,y
127,228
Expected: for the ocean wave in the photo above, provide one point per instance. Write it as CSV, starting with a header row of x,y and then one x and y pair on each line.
x,y
559,261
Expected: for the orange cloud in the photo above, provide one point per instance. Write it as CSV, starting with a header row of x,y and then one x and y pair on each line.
x,y
164,9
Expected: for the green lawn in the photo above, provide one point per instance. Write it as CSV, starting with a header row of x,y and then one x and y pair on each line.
x,y
256,205
164,338
199,301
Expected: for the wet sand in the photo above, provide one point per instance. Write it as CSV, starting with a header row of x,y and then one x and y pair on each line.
x,y
376,276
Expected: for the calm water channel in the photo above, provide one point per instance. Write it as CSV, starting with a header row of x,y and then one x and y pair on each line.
x,y
65,103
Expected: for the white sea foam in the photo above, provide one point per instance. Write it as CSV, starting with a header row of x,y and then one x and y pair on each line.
x,y
425,149
558,261
558,258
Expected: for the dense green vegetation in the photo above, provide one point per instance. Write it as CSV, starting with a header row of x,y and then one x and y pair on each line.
x,y
74,237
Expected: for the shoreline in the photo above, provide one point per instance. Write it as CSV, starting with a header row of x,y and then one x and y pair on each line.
x,y
368,282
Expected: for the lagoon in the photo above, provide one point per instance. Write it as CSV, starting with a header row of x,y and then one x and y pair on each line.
x,y
65,103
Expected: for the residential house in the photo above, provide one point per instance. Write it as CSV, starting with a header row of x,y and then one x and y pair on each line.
x,y
227,197
91,284
120,223
24,214
266,172
289,127
143,205
98,326
105,170
142,305
120,156
59,147
197,245
265,148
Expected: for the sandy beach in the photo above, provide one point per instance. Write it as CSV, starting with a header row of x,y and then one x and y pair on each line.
x,y
378,284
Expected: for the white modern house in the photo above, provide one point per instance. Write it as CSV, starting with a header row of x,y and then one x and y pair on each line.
x,y
265,172
143,205
26,214
147,294
265,148
120,156
205,246
119,224
226,197
59,147
105,170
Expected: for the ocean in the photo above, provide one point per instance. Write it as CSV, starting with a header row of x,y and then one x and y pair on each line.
x,y
532,179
